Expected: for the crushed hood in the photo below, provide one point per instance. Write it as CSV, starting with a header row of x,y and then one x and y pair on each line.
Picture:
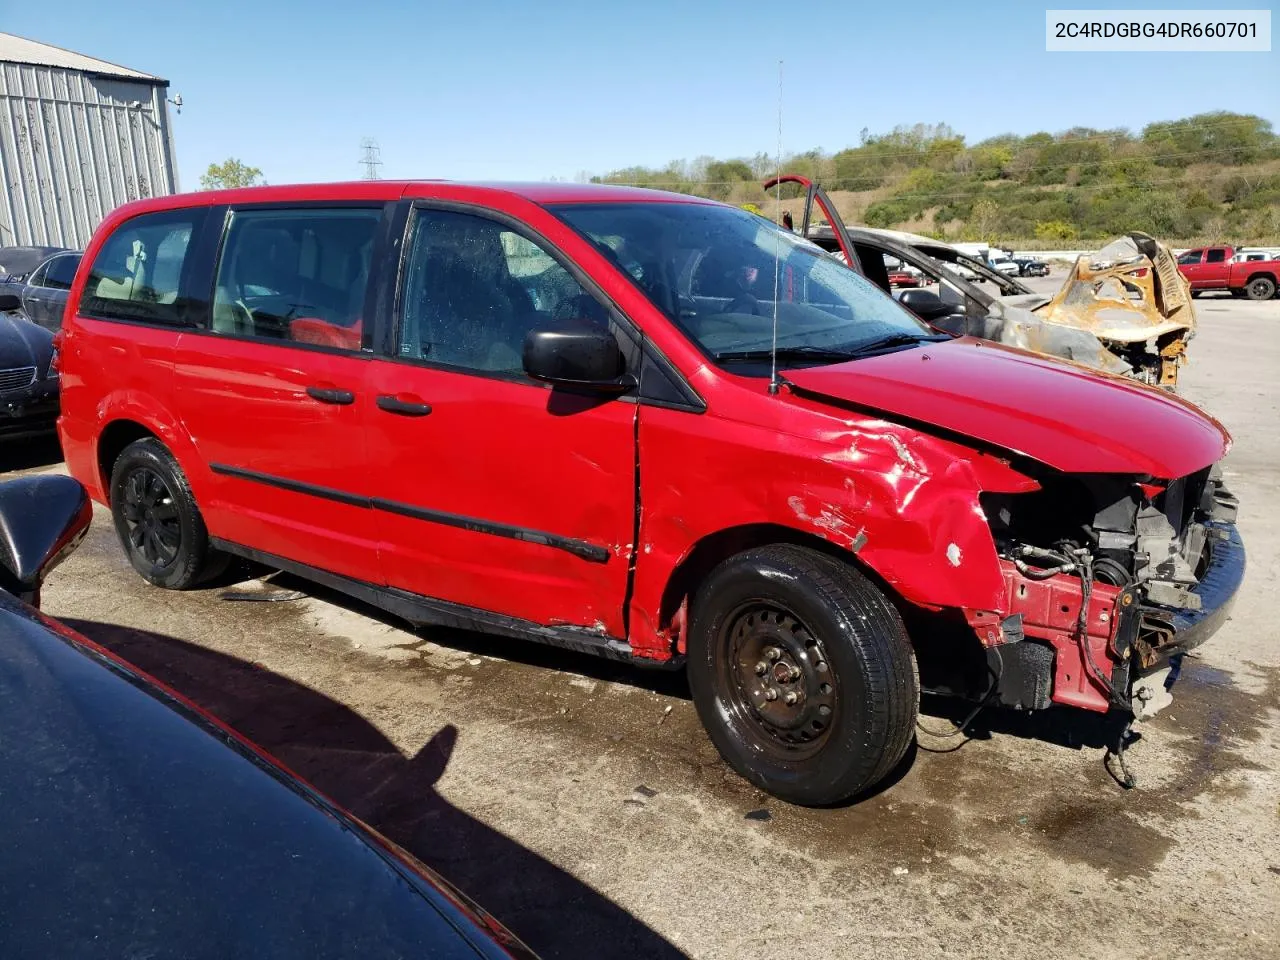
x,y
1060,414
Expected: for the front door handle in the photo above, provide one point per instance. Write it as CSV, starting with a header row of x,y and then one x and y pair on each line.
x,y
406,408
331,395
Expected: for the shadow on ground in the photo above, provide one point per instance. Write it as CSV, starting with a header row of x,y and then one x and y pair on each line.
x,y
660,680
346,757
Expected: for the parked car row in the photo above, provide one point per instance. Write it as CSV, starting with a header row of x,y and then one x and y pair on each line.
x,y
34,285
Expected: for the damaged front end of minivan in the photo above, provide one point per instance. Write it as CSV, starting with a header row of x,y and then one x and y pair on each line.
x,y
1081,570
1108,580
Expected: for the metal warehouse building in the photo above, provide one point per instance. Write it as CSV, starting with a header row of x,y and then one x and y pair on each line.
x,y
78,137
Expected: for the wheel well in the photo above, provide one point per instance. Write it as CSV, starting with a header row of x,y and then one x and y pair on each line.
x,y
1261,275
117,435
717,547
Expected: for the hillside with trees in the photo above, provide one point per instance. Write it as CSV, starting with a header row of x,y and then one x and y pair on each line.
x,y
1213,177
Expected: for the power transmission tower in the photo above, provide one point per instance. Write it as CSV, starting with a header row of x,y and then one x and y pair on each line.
x,y
370,158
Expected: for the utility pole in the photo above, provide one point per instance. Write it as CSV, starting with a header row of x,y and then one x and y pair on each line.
x,y
370,158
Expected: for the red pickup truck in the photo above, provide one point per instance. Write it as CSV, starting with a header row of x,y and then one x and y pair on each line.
x,y
1212,268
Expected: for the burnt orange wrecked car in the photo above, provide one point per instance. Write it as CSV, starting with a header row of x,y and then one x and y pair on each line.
x,y
1125,309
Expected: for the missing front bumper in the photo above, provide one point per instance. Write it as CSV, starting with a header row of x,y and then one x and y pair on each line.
x,y
1128,640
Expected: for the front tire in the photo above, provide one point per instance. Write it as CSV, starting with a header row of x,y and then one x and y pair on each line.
x,y
157,519
802,674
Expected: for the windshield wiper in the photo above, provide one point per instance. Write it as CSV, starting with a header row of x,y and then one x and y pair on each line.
x,y
895,340
833,354
789,353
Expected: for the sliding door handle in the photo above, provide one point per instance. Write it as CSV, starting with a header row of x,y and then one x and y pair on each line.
x,y
405,408
331,395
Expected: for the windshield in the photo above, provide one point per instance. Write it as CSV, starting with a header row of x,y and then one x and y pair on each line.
x,y
711,270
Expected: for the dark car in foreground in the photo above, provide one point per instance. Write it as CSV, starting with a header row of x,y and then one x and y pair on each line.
x,y
28,375
137,825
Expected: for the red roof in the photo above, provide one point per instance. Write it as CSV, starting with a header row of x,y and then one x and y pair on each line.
x,y
589,193
540,193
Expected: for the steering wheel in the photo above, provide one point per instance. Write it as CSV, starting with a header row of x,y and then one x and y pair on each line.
x,y
247,327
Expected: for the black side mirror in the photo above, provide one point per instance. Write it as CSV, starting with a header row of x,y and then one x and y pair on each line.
x,y
42,519
925,304
10,301
577,353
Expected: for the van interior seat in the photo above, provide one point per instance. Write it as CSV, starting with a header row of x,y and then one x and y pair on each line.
x,y
133,280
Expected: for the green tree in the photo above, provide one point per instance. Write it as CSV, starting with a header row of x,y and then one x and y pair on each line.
x,y
1055,230
721,176
230,173
984,219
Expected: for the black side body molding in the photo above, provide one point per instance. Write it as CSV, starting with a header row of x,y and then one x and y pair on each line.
x,y
579,548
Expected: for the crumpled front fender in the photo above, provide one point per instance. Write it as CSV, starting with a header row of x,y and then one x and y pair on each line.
x,y
903,503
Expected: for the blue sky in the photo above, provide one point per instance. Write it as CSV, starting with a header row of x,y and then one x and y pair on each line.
x,y
495,89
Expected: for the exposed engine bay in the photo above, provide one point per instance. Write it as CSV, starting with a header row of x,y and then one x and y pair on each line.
x,y
1127,559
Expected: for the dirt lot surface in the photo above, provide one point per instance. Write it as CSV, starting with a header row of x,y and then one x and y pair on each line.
x,y
582,804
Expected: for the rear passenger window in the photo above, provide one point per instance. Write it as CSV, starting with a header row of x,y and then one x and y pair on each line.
x,y
1216,256
137,274
297,275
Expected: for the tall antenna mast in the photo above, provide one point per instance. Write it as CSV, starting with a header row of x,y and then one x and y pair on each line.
x,y
777,250
370,158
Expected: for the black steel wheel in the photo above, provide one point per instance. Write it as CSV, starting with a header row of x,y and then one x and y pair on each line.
x,y
802,673
778,680
157,519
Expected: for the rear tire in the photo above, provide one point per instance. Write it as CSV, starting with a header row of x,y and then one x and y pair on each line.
x,y
158,521
836,661
1260,288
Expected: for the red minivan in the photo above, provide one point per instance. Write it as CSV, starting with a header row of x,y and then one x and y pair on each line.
x,y
648,426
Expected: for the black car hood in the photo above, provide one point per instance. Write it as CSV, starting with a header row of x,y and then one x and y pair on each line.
x,y
19,261
23,344
133,827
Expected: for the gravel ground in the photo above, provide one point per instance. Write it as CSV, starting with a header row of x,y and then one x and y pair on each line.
x,y
582,804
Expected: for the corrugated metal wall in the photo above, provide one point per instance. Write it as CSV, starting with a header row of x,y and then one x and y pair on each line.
x,y
73,147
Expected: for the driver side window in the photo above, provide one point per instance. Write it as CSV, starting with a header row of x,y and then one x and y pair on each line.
x,y
473,289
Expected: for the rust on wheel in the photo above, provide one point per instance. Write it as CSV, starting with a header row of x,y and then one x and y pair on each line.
x,y
776,680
